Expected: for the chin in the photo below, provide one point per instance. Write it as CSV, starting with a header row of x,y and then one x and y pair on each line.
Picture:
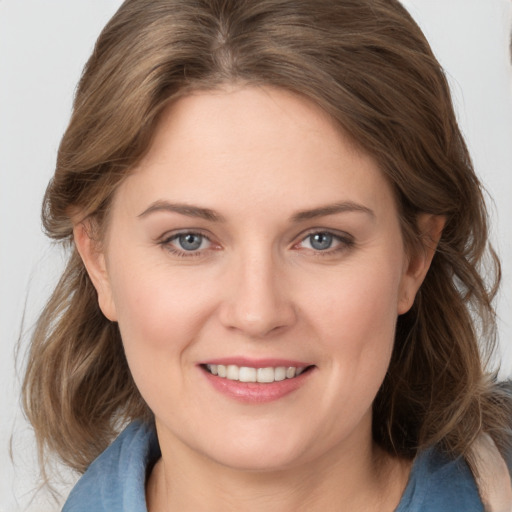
x,y
258,460
261,450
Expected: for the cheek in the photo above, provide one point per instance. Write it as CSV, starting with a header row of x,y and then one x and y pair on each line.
x,y
361,300
158,309
355,320
159,316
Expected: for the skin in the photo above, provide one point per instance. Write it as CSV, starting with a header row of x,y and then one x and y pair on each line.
x,y
258,288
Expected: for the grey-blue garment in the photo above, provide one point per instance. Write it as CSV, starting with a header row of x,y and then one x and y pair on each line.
x,y
115,481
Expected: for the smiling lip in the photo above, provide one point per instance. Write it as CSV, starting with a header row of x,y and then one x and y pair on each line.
x,y
256,392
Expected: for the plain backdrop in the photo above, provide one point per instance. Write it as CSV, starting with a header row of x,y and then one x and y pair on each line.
x,y
43,47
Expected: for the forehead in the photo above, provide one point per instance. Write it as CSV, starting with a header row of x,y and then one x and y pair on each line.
x,y
246,116
259,144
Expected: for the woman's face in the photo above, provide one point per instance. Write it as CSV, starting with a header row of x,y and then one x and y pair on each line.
x,y
255,240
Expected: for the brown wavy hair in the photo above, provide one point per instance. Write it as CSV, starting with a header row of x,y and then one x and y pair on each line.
x,y
368,65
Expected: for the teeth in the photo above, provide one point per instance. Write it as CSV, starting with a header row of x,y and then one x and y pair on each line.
x,y
232,372
265,375
280,373
248,374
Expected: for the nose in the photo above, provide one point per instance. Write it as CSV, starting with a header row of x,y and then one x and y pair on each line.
x,y
257,301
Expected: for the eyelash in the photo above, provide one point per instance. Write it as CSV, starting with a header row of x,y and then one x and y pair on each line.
x,y
345,241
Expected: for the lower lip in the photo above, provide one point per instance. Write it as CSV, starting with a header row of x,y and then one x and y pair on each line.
x,y
255,392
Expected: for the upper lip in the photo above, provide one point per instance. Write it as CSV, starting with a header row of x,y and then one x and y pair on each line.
x,y
256,363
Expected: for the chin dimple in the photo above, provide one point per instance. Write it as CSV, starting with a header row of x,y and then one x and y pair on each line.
x,y
248,374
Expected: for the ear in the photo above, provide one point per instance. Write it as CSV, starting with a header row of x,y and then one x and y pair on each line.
x,y
430,228
94,261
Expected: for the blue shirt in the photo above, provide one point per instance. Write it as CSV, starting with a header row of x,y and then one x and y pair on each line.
x,y
115,481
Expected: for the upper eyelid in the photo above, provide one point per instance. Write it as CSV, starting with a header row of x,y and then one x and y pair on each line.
x,y
170,235
342,235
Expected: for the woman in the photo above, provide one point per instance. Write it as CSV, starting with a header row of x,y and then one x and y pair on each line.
x,y
276,270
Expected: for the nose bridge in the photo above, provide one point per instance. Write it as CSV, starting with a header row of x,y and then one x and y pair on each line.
x,y
256,300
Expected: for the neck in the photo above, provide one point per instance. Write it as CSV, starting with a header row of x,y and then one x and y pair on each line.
x,y
345,479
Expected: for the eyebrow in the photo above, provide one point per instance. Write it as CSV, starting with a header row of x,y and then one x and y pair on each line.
x,y
332,209
183,209
212,216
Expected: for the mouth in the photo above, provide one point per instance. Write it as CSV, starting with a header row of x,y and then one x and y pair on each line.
x,y
249,374
256,381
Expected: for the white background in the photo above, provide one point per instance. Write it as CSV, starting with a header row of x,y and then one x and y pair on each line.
x,y
43,47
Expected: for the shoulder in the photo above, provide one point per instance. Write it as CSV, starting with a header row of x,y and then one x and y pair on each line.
x,y
440,484
115,481
493,475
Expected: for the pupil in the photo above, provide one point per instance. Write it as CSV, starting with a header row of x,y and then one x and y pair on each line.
x,y
190,242
321,241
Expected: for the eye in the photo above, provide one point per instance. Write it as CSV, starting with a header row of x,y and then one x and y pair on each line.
x,y
190,241
186,243
325,242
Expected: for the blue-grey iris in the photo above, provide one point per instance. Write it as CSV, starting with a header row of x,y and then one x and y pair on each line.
x,y
321,241
190,241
